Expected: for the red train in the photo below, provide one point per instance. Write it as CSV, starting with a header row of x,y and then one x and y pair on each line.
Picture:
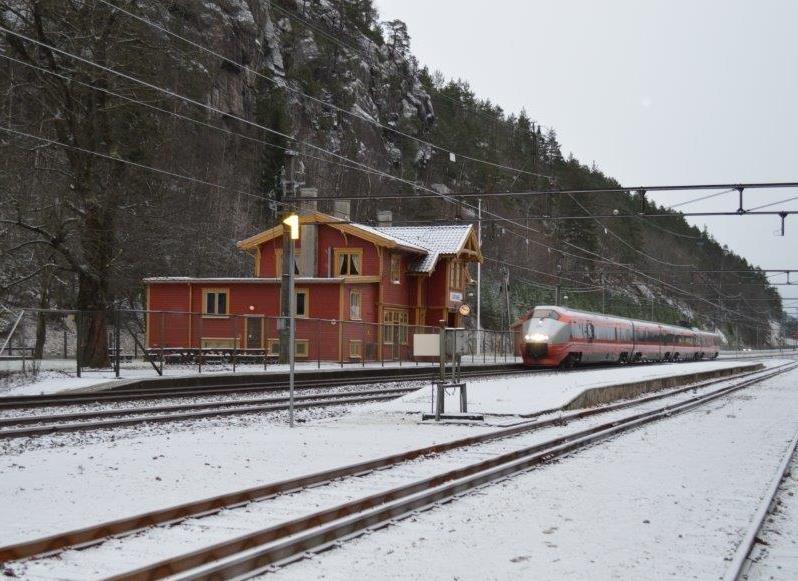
x,y
559,336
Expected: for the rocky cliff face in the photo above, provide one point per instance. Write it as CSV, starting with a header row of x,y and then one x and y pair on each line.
x,y
329,73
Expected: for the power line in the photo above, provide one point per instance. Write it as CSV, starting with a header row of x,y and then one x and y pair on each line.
x,y
337,40
173,113
620,239
653,215
607,190
530,269
715,195
282,84
212,109
127,162
438,194
774,203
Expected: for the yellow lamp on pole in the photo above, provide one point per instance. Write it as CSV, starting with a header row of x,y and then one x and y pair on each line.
x,y
292,221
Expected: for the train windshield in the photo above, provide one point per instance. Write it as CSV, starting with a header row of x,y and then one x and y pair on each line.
x,y
545,314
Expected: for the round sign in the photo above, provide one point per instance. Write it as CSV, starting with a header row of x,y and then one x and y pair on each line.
x,y
465,310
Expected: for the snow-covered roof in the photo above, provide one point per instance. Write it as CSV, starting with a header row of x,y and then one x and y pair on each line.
x,y
399,241
435,240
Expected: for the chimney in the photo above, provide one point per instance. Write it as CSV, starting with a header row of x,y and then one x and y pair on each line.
x,y
308,235
310,203
384,218
342,209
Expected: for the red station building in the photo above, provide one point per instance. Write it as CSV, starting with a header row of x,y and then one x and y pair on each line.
x,y
360,289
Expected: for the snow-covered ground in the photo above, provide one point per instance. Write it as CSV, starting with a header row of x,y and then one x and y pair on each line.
x,y
776,556
667,501
122,476
61,482
46,481
536,392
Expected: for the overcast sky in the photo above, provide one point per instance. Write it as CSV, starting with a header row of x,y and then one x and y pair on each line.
x,y
655,92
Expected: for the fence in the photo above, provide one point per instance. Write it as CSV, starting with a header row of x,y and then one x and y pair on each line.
x,y
157,341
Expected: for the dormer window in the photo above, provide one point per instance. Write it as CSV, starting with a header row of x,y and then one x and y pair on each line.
x,y
348,262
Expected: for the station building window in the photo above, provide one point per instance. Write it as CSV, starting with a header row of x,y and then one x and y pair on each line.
x,y
355,302
278,263
395,326
348,261
301,347
215,301
302,302
396,269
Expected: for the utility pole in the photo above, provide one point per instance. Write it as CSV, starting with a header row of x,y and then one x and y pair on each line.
x,y
287,332
286,293
479,266
290,233
507,294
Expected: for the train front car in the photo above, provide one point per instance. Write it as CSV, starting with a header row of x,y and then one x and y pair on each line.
x,y
545,338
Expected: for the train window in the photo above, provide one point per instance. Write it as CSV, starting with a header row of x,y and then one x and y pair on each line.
x,y
545,314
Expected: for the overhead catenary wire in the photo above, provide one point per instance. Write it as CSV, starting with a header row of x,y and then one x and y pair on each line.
x,y
579,191
715,195
774,203
449,198
624,242
536,271
127,162
337,40
282,83
173,113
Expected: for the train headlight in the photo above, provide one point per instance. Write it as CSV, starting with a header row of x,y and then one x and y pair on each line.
x,y
536,338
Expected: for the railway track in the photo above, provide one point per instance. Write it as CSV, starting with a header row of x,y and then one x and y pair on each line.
x,y
42,424
741,561
269,385
266,385
446,471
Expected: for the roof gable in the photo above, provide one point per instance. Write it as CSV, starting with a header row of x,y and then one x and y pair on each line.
x,y
351,228
429,242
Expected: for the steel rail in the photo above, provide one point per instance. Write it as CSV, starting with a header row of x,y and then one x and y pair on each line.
x,y
84,537
156,419
110,413
258,552
123,394
741,556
